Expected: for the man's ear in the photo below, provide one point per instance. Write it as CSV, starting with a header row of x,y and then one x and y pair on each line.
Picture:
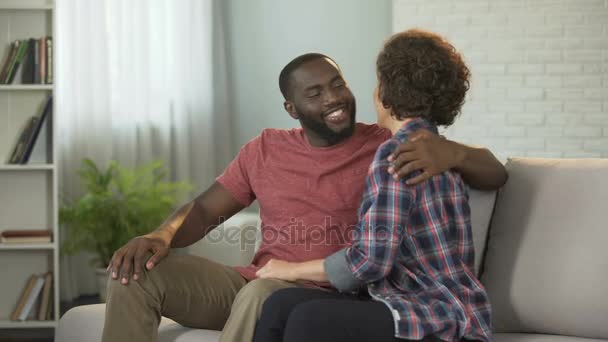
x,y
291,109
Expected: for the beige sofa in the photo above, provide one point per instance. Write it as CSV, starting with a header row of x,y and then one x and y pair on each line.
x,y
541,247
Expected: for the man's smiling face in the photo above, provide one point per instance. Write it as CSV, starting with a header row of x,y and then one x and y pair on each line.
x,y
322,101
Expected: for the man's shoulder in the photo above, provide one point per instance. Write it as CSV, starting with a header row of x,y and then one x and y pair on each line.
x,y
373,131
272,136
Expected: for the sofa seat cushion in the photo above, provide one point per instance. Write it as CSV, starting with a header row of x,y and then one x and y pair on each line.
x,y
546,263
85,324
539,338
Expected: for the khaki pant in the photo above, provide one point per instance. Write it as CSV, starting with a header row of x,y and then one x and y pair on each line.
x,y
193,291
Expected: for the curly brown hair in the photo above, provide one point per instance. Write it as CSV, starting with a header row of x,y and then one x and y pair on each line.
x,y
420,74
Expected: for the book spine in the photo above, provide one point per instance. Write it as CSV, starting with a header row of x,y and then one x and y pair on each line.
x,y
46,295
25,240
7,62
42,60
29,304
36,131
21,143
26,232
24,296
36,62
12,63
49,60
19,60
27,76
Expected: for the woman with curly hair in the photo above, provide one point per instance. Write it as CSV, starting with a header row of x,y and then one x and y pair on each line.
x,y
409,274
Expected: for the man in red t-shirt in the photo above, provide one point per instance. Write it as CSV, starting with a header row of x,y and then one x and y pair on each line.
x,y
308,182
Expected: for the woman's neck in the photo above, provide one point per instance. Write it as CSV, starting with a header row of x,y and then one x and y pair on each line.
x,y
395,125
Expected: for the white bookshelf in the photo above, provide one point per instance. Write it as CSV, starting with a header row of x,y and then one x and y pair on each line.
x,y
5,87
28,193
27,324
26,246
28,167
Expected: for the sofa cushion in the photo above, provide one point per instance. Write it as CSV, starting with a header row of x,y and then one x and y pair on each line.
x,y
85,324
546,263
482,205
540,338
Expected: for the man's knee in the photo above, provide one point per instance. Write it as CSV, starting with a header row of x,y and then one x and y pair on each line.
x,y
149,281
258,290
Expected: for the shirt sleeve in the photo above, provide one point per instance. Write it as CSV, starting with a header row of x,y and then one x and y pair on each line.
x,y
236,178
381,229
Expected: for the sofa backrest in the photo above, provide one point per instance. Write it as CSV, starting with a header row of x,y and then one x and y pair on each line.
x,y
227,246
233,243
546,266
482,206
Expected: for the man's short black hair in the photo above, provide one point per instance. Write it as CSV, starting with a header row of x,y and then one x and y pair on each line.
x,y
285,75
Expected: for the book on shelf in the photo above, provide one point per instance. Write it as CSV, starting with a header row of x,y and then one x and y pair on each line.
x,y
17,62
49,309
31,299
24,296
7,61
45,297
35,299
19,149
26,236
42,44
46,112
30,61
49,60
30,134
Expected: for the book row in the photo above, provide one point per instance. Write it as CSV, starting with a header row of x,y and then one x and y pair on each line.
x,y
36,300
29,134
30,61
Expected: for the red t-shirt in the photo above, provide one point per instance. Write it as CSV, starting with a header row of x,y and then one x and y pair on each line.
x,y
308,196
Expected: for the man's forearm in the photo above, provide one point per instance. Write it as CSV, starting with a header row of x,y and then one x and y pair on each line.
x,y
185,226
479,168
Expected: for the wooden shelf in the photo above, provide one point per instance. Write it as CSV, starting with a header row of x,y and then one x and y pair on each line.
x,y
27,167
26,87
28,324
26,246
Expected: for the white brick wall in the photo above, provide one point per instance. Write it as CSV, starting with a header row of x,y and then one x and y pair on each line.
x,y
540,72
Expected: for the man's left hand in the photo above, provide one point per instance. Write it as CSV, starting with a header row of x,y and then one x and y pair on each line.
x,y
277,269
427,152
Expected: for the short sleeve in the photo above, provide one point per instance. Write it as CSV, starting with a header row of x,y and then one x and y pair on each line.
x,y
236,177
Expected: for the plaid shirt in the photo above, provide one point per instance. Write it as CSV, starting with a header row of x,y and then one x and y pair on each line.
x,y
414,251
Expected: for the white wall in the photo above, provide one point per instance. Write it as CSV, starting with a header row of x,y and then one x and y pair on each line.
x,y
264,35
540,71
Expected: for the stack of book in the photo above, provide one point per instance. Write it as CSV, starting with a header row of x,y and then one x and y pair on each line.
x,y
36,301
32,59
29,134
26,236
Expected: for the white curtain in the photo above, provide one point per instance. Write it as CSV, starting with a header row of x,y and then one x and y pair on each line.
x,y
139,80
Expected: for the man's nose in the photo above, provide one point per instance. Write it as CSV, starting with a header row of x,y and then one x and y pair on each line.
x,y
330,98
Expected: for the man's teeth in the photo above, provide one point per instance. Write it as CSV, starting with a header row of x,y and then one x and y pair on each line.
x,y
335,114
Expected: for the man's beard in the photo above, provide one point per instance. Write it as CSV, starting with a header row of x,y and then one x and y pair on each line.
x,y
322,130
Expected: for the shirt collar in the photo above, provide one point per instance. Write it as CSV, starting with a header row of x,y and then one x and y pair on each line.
x,y
416,124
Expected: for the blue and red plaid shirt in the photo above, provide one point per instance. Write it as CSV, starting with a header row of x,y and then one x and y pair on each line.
x,y
414,251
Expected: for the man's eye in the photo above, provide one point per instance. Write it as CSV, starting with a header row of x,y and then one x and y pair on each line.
x,y
313,95
338,84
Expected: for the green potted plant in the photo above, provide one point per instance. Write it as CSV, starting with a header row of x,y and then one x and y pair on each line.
x,y
118,205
